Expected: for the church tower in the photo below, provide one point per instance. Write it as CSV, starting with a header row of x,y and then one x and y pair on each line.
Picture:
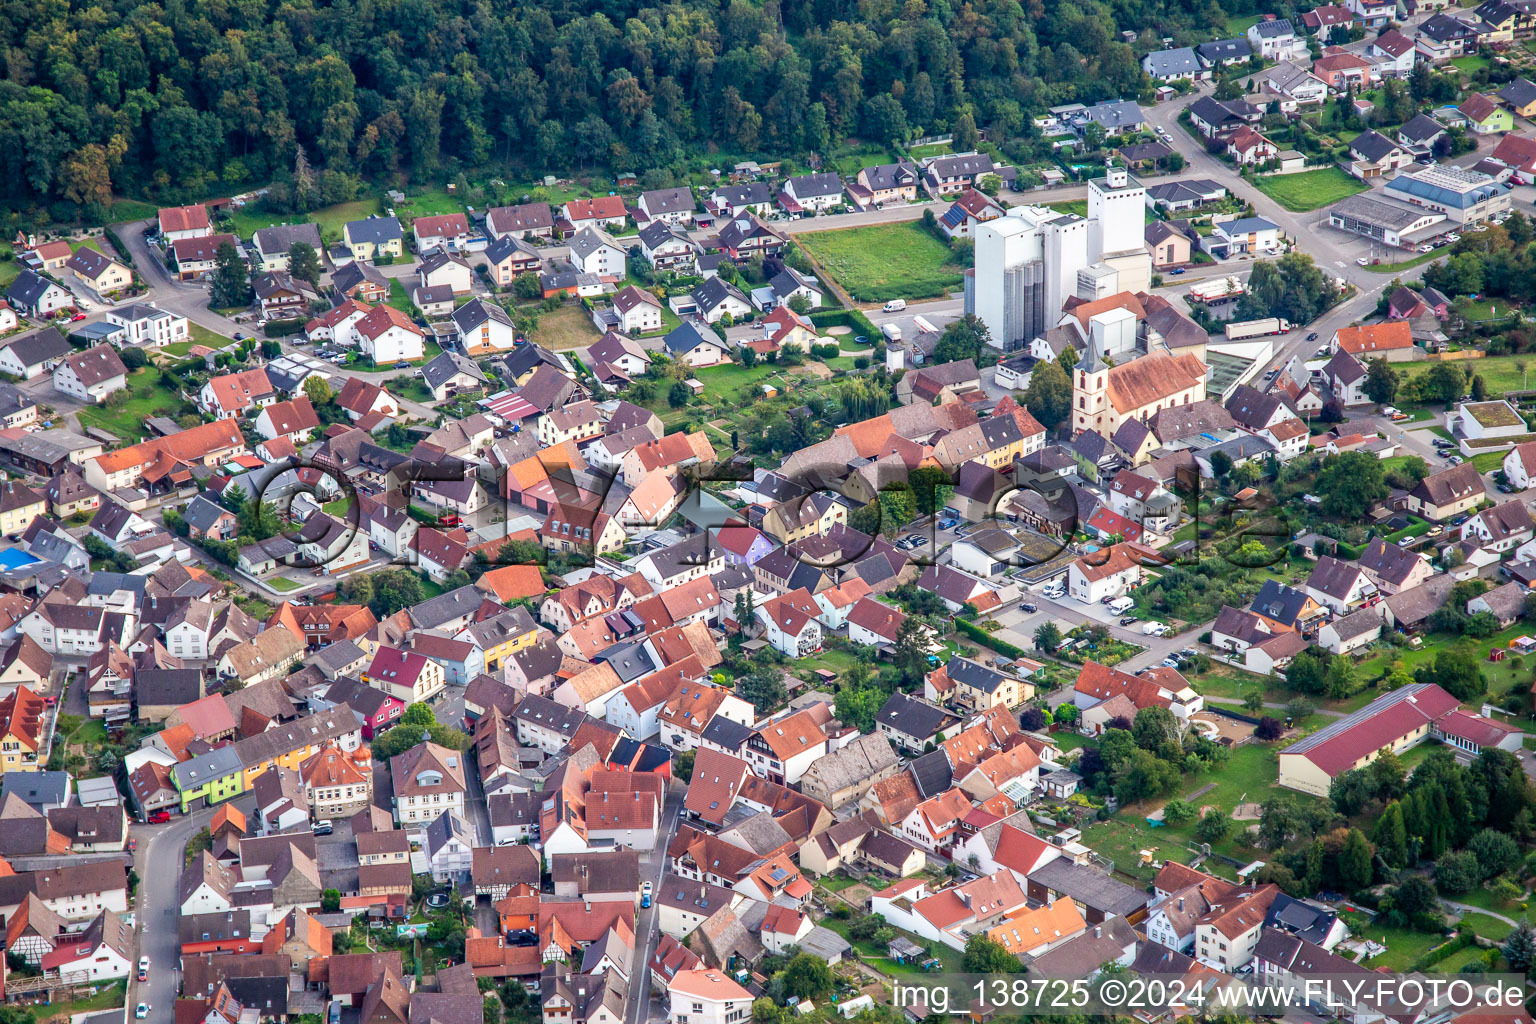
x,y
1090,393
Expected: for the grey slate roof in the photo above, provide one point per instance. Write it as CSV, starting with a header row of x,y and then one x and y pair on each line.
x,y
1167,63
688,336
910,716
1225,49
28,288
478,311
39,347
374,229
447,365
278,238
353,273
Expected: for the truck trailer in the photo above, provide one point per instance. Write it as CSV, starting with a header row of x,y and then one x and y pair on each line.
x,y
1242,330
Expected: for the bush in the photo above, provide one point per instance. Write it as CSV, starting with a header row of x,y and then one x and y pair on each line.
x,y
986,639
283,328
853,318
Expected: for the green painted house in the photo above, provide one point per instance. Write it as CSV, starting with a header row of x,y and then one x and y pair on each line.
x,y
209,779
1485,115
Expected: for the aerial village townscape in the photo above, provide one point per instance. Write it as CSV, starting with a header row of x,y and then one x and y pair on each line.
x,y
924,535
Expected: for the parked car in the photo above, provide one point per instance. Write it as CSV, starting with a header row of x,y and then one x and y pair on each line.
x,y
1176,271
143,968
1127,620
402,365
1029,606
160,817
141,1011
1312,336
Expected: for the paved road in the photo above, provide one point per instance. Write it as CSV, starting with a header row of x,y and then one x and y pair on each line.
x,y
652,864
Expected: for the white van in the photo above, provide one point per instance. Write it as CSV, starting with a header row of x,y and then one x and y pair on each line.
x,y
1121,605
896,305
1154,629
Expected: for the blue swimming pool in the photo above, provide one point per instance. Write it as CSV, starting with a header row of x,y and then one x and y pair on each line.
x,y
15,558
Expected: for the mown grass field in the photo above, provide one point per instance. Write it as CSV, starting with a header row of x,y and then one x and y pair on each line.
x,y
1498,372
565,328
886,261
147,397
1310,190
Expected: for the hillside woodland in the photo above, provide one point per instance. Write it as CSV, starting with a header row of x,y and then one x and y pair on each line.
x,y
179,100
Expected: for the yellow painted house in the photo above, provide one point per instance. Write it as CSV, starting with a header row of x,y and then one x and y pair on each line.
x,y
374,237
502,636
19,505
800,518
292,744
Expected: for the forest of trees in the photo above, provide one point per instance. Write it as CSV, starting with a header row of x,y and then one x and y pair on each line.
x,y
178,101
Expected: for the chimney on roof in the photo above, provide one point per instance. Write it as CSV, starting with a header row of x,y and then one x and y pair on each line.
x,y
1181,902
1098,932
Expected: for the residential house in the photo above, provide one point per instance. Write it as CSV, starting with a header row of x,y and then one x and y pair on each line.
x,y
1275,39
102,274
448,232
669,205
90,376
374,238
37,296
811,193
273,244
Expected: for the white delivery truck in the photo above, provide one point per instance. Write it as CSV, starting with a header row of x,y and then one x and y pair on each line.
x,y
896,305
1121,605
892,332
1244,329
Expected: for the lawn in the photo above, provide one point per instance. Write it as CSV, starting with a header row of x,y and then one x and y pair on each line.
x,y
933,149
203,336
399,298
1479,310
1470,66
10,270
1487,462
1123,839
332,218
246,222
1240,26
429,204
1077,206
735,385
107,997
1501,676
565,328
1310,190
1412,261
283,584
1499,373
885,261
862,157
1404,946
147,397
874,953
130,209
